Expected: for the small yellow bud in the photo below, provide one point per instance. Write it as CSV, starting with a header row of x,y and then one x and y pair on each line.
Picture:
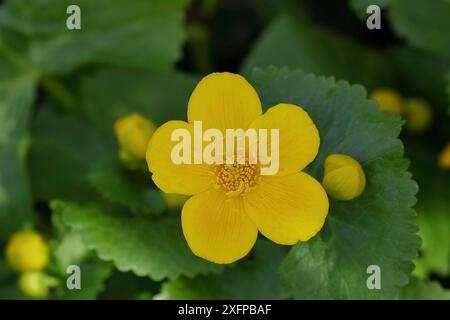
x,y
133,133
444,157
174,200
26,251
34,284
389,100
418,114
344,178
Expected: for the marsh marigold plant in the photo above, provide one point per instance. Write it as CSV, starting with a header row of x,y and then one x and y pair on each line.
x,y
230,203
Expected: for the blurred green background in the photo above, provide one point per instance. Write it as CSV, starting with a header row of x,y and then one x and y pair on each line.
x,y
61,92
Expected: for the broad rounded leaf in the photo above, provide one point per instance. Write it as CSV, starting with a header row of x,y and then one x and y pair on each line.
x,y
295,42
94,274
154,248
128,33
112,182
254,278
424,23
376,228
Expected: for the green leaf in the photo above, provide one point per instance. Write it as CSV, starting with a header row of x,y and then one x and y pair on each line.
x,y
434,221
129,33
94,274
376,228
127,286
254,278
63,148
113,183
360,6
154,248
424,290
424,23
69,251
161,97
17,92
296,43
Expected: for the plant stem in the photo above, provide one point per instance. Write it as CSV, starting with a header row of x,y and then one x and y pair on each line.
x,y
59,92
199,45
52,85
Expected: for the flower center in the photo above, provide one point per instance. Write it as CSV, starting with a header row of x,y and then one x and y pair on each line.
x,y
237,178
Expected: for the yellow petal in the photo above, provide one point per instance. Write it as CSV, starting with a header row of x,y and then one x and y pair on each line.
x,y
216,228
298,136
224,101
287,209
184,179
344,178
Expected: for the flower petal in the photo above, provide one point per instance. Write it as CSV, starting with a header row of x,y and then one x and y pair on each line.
x,y
184,179
224,101
287,209
216,228
298,136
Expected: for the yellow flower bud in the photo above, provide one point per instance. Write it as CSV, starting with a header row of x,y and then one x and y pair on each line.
x,y
34,284
133,133
27,251
418,114
444,157
389,100
344,178
174,200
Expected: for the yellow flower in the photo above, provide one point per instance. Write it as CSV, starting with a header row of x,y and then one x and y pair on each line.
x,y
388,100
444,157
231,202
133,133
344,179
418,114
26,251
34,284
